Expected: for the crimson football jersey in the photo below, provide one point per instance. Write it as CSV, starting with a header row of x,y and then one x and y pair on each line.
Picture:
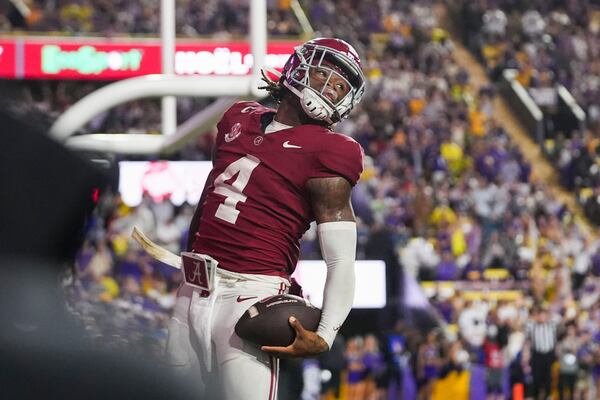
x,y
256,207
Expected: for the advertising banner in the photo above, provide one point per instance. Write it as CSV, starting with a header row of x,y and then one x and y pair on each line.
x,y
8,67
110,59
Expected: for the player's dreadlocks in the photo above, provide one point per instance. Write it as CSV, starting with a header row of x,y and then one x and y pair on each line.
x,y
275,88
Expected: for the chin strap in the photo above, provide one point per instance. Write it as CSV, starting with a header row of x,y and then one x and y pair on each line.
x,y
312,104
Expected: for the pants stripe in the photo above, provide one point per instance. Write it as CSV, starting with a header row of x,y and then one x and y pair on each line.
x,y
276,377
274,369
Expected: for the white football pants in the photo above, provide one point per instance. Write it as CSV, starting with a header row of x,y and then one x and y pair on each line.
x,y
202,344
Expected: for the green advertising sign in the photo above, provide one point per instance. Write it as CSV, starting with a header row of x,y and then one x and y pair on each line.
x,y
88,61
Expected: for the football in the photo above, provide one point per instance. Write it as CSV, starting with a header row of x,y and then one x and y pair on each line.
x,y
266,322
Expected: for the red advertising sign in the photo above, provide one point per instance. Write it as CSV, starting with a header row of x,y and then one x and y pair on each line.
x,y
108,59
231,58
8,51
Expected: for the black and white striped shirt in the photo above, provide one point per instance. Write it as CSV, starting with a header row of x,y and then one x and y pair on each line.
x,y
542,336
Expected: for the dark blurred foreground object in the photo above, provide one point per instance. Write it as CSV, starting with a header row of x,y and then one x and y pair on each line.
x,y
47,192
45,354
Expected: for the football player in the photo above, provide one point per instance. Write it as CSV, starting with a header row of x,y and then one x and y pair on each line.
x,y
274,172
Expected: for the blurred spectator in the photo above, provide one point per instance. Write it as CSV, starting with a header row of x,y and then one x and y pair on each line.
x,y
568,365
357,370
428,359
373,360
494,363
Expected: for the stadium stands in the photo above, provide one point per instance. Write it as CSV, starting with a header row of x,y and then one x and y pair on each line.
x,y
444,186
550,45
124,17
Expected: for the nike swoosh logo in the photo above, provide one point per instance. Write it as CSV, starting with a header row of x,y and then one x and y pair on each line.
x,y
240,298
287,145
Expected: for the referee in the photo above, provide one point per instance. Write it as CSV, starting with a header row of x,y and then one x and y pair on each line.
x,y
542,340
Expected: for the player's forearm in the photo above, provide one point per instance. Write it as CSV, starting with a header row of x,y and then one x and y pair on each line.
x,y
338,245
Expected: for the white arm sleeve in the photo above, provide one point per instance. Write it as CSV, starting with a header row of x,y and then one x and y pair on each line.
x,y
338,245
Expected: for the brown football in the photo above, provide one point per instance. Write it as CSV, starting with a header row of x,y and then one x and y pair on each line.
x,y
266,322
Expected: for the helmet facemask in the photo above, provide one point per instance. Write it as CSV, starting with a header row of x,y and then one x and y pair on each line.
x,y
313,97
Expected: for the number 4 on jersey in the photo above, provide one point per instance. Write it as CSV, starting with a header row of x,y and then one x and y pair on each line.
x,y
233,191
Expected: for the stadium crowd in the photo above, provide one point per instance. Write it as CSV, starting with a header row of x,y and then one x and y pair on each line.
x,y
445,191
549,44
107,18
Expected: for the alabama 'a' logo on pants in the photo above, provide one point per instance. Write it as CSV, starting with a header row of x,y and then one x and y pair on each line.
x,y
196,271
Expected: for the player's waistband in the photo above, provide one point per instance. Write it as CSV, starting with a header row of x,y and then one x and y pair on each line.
x,y
227,274
229,278
223,273
204,274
